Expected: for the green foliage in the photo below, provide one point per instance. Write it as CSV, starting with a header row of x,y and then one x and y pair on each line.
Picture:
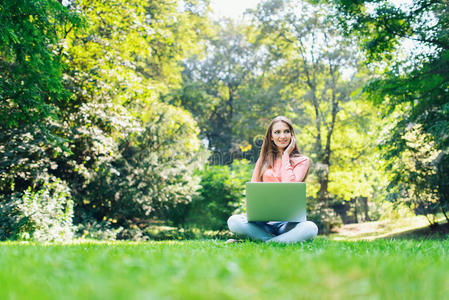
x,y
136,159
222,194
30,64
100,231
152,173
125,156
27,157
223,91
418,177
131,53
43,213
412,91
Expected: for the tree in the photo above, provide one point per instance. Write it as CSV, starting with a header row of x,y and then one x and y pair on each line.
x,y
30,60
123,156
219,87
413,90
120,66
33,204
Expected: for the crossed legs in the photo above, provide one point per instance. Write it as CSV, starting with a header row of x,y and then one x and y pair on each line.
x,y
290,233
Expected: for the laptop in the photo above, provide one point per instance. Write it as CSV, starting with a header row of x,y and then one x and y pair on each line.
x,y
276,201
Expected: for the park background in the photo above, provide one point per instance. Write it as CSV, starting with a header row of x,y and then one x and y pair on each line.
x,y
142,120
129,128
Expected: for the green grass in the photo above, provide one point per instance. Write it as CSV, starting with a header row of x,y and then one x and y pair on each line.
x,y
323,269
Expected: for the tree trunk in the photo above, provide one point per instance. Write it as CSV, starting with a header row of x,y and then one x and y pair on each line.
x,y
365,207
323,194
356,211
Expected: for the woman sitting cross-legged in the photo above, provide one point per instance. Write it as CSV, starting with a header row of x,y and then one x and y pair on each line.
x,y
279,161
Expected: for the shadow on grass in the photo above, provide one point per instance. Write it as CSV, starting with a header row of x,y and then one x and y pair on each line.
x,y
434,232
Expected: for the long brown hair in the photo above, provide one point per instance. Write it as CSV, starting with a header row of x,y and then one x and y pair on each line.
x,y
269,150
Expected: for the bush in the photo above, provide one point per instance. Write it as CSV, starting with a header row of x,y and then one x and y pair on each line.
x,y
98,231
44,214
118,168
222,194
151,174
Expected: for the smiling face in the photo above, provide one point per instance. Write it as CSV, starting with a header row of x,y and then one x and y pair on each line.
x,y
281,135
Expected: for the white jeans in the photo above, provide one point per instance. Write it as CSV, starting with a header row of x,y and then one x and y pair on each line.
x,y
281,232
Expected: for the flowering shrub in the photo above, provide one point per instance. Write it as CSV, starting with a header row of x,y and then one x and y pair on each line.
x,y
43,214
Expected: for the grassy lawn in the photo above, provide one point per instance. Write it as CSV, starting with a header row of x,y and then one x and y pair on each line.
x,y
323,269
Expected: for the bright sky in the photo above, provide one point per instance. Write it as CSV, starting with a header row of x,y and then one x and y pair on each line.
x,y
231,8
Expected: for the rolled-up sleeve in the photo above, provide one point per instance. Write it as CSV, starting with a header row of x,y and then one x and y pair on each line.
x,y
294,170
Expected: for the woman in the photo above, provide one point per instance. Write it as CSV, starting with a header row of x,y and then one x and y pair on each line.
x,y
279,161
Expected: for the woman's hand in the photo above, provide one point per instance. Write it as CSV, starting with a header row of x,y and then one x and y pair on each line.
x,y
291,146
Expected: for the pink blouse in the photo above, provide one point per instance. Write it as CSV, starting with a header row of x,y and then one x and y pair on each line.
x,y
286,169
